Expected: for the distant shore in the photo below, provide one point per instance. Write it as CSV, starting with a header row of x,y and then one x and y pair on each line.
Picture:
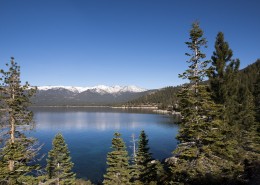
x,y
150,108
153,108
135,107
64,106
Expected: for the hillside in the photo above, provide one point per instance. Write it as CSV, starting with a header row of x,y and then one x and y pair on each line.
x,y
166,98
249,75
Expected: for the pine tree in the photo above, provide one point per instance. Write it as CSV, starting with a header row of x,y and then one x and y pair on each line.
x,y
220,59
134,171
257,99
203,152
249,138
19,151
246,112
231,90
118,170
146,169
59,165
257,110
223,79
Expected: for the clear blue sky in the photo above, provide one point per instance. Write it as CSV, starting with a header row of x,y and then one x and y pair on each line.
x,y
119,42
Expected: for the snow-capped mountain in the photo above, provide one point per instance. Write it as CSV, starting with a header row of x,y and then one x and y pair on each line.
x,y
97,95
99,88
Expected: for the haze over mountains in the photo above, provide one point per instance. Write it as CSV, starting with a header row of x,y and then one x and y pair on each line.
x,y
83,96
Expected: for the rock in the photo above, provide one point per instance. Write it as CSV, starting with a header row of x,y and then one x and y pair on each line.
x,y
171,160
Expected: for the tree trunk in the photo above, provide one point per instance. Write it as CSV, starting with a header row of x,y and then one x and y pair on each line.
x,y
12,139
12,133
12,130
11,165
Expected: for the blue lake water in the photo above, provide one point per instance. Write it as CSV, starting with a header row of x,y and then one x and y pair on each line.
x,y
89,131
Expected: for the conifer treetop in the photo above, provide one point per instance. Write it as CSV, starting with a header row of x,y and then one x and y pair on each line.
x,y
197,68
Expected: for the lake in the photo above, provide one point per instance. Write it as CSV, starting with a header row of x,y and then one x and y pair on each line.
x,y
89,131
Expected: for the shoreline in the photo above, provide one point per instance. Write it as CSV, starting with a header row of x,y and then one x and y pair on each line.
x,y
135,107
153,109
68,106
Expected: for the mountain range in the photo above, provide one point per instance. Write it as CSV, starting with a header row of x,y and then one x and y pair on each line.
x,y
85,96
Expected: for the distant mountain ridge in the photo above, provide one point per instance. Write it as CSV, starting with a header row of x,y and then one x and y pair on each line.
x,y
85,96
99,88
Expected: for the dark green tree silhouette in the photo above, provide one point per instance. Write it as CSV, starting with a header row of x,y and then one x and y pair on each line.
x,y
256,93
59,165
222,56
118,170
203,153
257,111
18,151
146,168
223,75
248,136
233,90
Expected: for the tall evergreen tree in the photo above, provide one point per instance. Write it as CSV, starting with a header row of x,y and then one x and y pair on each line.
x,y
59,165
200,156
220,59
233,93
223,79
247,126
247,106
146,169
231,90
118,170
18,152
249,135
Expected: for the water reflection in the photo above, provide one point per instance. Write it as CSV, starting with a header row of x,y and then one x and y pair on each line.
x,y
83,121
103,119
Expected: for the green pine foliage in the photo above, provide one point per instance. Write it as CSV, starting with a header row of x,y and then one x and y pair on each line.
x,y
206,152
165,98
246,112
249,129
59,165
223,78
249,75
256,93
146,168
231,90
222,56
249,98
234,90
203,153
118,170
18,151
257,110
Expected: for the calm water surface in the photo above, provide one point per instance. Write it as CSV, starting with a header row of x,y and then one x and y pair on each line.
x,y
89,131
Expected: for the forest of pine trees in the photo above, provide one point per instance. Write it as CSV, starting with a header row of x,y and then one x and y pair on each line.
x,y
219,134
165,98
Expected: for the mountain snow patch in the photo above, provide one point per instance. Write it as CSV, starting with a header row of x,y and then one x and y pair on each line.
x,y
99,88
